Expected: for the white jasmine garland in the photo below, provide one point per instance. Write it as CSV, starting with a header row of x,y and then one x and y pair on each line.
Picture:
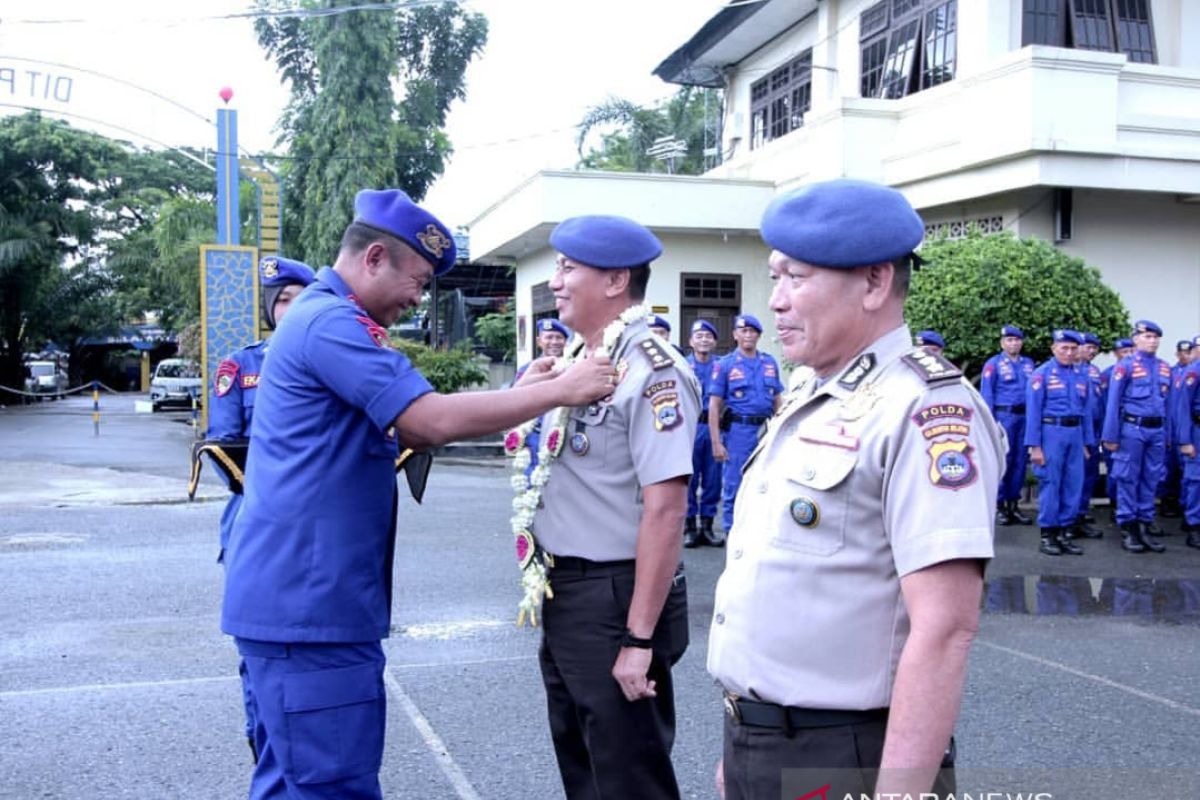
x,y
535,580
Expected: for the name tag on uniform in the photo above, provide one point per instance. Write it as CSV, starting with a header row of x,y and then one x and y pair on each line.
x,y
833,433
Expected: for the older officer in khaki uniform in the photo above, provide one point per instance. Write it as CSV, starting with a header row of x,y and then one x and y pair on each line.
x,y
612,518
854,574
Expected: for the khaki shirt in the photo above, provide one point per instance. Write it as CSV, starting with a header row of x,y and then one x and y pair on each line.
x,y
640,435
883,470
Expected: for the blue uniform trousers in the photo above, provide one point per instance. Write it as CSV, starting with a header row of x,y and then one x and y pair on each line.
x,y
739,442
1017,459
1091,474
1060,479
1138,468
706,476
1190,493
320,711
1110,483
227,518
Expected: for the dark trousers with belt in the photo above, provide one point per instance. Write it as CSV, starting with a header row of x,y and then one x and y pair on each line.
x,y
763,762
607,747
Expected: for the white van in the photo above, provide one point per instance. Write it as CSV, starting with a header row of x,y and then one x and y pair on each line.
x,y
175,382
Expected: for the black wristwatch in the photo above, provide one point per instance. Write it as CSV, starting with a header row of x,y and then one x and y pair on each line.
x,y
629,640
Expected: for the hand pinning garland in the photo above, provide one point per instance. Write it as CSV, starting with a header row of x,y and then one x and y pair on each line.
x,y
532,560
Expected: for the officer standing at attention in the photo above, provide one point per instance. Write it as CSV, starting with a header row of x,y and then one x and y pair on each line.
x,y
1121,349
1091,465
1170,490
611,517
930,341
706,472
1187,430
853,579
232,407
1005,377
309,566
1134,434
745,389
1058,433
552,338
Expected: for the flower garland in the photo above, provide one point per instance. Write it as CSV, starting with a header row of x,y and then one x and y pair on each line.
x,y
532,560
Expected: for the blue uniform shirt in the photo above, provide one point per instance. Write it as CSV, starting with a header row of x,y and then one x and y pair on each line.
x,y
1186,407
1057,391
310,556
1004,380
748,386
1092,374
234,391
1139,386
704,374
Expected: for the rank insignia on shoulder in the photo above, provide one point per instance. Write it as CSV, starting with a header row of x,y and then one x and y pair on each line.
x,y
658,356
377,332
226,374
931,367
854,374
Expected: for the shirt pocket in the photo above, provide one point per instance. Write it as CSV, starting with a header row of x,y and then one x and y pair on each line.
x,y
587,433
816,503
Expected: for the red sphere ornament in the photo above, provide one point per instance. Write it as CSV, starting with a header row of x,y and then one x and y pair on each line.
x,y
226,93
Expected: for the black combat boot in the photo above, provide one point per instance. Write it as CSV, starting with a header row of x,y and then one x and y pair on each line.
x,y
1004,517
1050,544
710,536
1193,536
1085,531
1066,544
1147,539
1130,539
1015,512
1153,529
691,534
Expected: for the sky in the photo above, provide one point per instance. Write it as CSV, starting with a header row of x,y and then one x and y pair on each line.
x,y
150,71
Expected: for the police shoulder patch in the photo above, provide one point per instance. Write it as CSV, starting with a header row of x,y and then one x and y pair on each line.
x,y
931,367
377,332
226,373
657,355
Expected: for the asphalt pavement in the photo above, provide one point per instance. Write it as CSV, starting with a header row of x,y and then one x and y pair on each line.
x,y
115,681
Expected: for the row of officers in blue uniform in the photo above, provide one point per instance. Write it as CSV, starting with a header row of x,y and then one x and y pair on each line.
x,y
1140,416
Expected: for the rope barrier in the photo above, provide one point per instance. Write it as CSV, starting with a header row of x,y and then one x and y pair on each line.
x,y
64,392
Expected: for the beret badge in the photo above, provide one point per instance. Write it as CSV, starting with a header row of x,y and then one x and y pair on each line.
x,y
433,240
270,268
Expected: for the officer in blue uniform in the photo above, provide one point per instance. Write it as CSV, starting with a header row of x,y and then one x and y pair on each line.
x,y
552,341
745,389
1005,377
1134,431
308,571
706,472
232,407
1091,466
659,326
1170,490
1121,348
931,341
1058,433
1186,410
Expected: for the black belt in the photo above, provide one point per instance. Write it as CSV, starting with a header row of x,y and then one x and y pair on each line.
x,y
789,718
749,420
704,417
1019,408
1196,417
1143,422
1066,422
585,566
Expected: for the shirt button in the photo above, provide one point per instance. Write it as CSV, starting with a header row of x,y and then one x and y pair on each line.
x,y
762,488
737,553
720,619
809,473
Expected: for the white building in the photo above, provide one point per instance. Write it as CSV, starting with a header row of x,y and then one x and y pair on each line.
x,y
1076,121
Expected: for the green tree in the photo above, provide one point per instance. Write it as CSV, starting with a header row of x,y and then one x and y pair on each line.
x,y
627,131
498,331
344,127
971,287
448,371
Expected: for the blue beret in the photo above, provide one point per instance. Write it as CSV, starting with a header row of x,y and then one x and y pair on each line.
x,y
394,213
930,337
842,223
550,324
277,271
1195,341
1146,326
1012,330
1184,344
605,242
655,321
1067,335
1123,343
704,325
747,321
1091,338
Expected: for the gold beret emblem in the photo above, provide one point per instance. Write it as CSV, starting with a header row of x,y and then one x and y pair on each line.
x,y
434,240
270,268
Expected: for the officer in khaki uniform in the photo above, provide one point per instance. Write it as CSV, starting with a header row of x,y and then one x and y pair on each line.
x,y
871,519
612,519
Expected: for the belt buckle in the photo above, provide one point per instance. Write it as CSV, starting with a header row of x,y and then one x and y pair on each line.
x,y
731,707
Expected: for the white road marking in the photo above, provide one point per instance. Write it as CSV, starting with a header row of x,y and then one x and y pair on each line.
x,y
104,687
450,630
436,746
1166,701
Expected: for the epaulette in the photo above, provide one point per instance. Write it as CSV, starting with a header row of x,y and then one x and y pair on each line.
x,y
656,353
932,368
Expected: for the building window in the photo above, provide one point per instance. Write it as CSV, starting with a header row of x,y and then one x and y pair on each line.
x,y
907,46
715,297
779,101
1122,26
